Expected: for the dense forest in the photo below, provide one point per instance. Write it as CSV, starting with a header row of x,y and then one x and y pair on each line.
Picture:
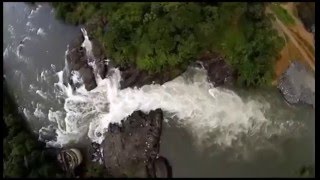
x,y
154,36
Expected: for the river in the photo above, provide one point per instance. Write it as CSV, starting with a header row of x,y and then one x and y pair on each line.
x,y
208,132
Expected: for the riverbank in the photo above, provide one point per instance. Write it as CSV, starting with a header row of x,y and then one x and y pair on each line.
x,y
299,45
141,43
222,70
219,114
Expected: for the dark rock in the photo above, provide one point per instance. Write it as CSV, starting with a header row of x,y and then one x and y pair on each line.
x,y
88,78
297,84
76,58
102,69
129,78
306,12
129,149
95,146
77,41
95,152
162,169
132,77
219,72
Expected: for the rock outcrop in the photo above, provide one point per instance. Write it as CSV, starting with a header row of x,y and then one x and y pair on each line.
x,y
161,168
133,77
131,149
297,84
77,60
219,72
306,12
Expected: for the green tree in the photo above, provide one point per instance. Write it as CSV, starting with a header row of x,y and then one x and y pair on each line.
x,y
156,36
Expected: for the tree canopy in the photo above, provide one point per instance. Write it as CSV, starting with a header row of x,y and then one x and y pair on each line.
x,y
156,35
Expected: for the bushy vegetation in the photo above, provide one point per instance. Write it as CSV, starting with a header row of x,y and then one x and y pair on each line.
x,y
23,155
154,36
282,14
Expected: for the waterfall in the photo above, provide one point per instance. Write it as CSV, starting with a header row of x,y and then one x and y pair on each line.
x,y
216,116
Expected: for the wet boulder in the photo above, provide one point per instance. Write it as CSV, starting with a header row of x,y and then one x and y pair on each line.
x,y
102,69
306,12
297,84
219,72
130,149
77,61
88,78
95,152
76,58
77,41
162,168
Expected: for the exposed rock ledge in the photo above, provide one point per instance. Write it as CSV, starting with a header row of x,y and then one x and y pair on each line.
x,y
77,61
219,73
132,149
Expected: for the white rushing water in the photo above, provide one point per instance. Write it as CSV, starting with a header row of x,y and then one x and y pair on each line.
x,y
41,32
214,116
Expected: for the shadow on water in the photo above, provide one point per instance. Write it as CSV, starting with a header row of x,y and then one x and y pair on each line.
x,y
10,107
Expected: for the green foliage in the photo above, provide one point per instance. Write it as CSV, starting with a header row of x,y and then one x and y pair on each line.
x,y
156,36
282,14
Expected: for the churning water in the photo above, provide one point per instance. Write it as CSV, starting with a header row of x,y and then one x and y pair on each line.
x,y
209,113
217,119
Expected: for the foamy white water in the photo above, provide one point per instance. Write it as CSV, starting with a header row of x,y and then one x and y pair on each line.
x,y
6,53
198,106
42,94
214,116
38,112
11,31
34,12
86,43
27,113
41,32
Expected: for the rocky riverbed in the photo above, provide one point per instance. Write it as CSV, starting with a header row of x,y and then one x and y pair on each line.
x,y
132,148
219,72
